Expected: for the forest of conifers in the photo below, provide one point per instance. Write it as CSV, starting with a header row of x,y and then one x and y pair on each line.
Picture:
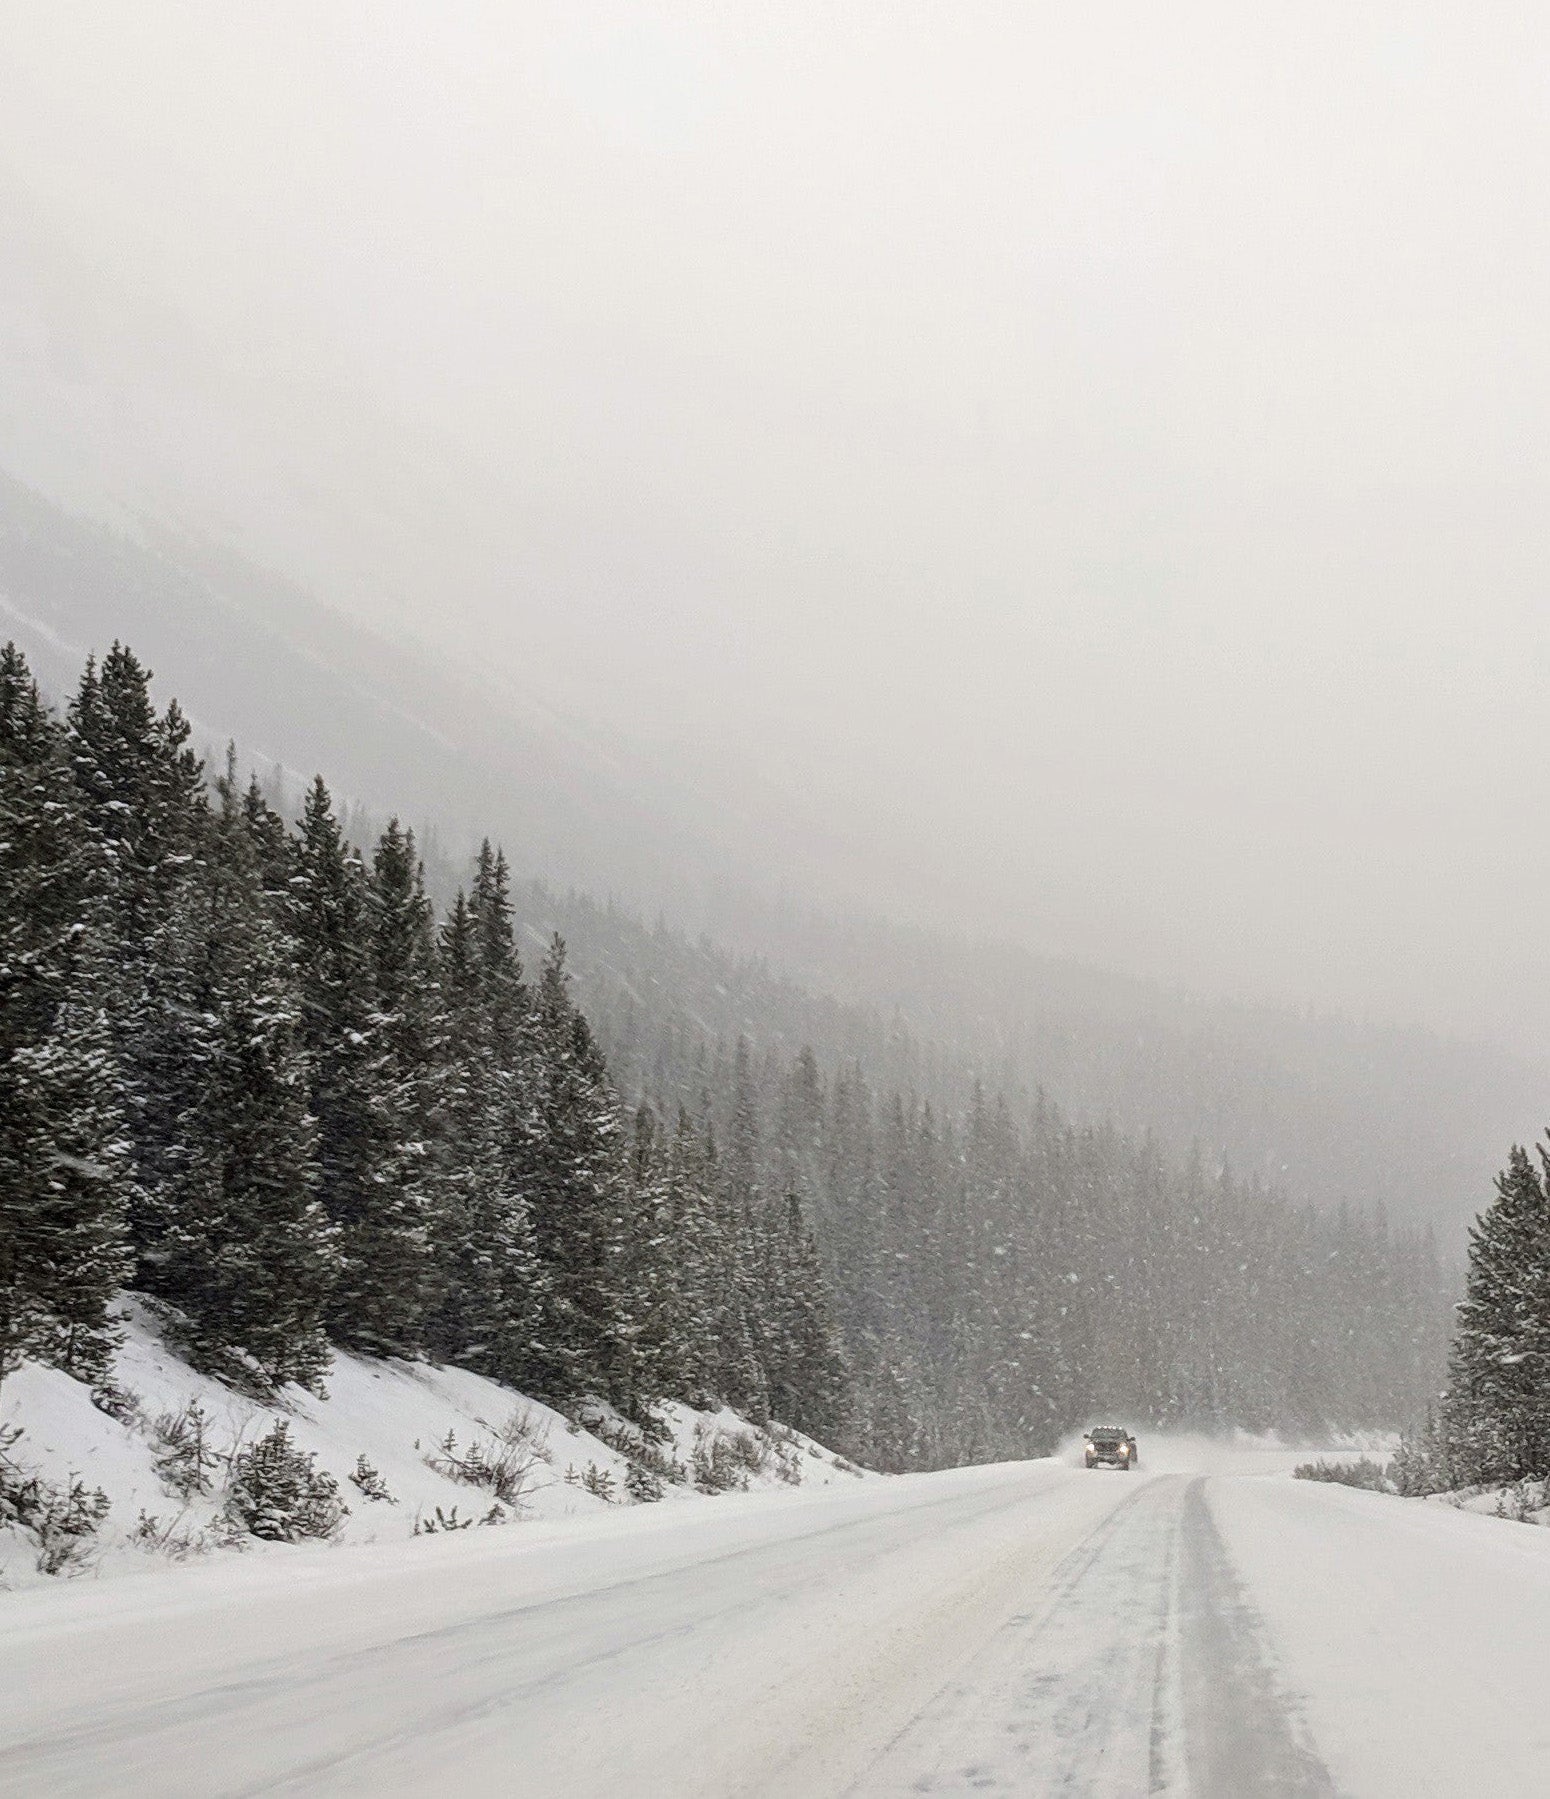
x,y
247,1071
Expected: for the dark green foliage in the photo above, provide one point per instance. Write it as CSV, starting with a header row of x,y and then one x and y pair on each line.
x,y
66,1173
241,1246
809,1382
143,809
394,1282
583,1208
489,1284
278,1492
1494,1424
375,1299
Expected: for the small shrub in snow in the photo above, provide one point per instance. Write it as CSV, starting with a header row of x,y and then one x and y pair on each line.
x,y
1521,1500
61,1517
278,1493
1360,1473
718,1463
503,1465
1419,1466
723,1461
440,1522
592,1479
598,1482
370,1483
178,1540
643,1448
119,1404
525,1428
644,1487
184,1451
782,1452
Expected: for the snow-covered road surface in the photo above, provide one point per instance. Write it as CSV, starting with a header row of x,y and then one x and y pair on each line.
x,y
1029,1628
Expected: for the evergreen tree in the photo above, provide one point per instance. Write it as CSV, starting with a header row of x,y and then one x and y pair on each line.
x,y
654,1277
267,836
808,1379
489,1285
144,810
1496,1417
577,1177
242,1246
699,1255
66,1178
407,1034
375,1303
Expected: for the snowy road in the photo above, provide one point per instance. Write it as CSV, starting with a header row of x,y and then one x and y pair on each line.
x,y
1029,1628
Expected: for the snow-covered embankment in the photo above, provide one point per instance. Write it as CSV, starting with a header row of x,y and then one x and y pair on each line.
x,y
412,1449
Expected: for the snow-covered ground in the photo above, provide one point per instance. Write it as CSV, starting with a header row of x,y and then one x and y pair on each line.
x,y
1416,1636
397,1415
1203,1625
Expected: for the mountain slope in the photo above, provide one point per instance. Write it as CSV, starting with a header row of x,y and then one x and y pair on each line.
x,y
1331,1108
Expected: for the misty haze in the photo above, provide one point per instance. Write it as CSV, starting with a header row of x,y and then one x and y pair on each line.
x,y
790,757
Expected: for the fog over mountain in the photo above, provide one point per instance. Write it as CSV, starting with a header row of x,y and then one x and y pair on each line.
x,y
792,754
1059,479
701,941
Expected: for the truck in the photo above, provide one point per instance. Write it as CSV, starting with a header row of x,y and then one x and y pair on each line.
x,y
1110,1446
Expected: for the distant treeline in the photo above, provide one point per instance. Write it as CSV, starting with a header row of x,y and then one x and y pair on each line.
x,y
247,1071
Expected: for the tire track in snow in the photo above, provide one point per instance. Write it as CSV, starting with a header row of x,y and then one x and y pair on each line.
x,y
1142,1669
1243,1734
1065,1698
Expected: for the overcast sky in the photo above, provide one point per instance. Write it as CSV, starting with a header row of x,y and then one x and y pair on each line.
x,y
1091,460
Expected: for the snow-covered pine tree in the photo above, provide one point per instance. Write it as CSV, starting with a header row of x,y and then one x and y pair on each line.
x,y
745,1280
66,1182
147,816
65,1169
649,1276
697,1257
270,841
1496,1415
378,1233
242,1247
488,1284
405,1071
808,1379
577,1175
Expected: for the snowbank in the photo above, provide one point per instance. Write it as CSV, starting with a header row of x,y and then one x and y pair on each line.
x,y
410,1447
1523,1501
1413,1634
